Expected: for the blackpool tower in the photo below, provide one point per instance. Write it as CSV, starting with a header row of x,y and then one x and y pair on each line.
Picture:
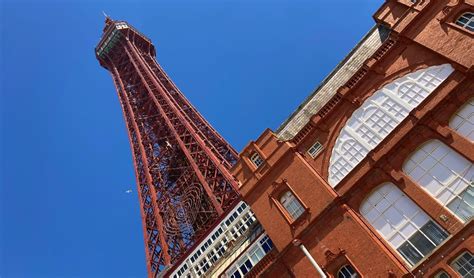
x,y
181,163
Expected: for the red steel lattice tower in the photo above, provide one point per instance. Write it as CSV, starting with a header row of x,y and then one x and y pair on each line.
x,y
181,163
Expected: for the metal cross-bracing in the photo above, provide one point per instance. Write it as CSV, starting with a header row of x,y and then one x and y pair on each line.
x,y
181,163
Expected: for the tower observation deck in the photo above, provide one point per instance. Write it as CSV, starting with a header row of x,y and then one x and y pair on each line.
x,y
181,163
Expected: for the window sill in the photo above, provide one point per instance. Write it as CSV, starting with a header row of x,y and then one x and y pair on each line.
x,y
300,220
459,28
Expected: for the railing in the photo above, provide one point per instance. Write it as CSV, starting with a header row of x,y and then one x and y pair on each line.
x,y
356,77
383,49
329,105
302,133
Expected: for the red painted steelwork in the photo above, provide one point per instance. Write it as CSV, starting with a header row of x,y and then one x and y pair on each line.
x,y
181,163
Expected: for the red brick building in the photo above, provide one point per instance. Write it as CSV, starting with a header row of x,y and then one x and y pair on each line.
x,y
373,174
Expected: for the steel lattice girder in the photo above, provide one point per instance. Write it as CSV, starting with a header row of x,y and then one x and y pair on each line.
x,y
181,163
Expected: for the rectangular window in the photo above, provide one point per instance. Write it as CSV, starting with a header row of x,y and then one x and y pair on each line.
x,y
251,257
245,266
315,149
235,273
266,243
256,159
292,205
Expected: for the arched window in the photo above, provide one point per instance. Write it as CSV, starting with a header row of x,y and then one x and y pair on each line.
x,y
291,204
406,227
442,274
463,120
347,271
466,21
464,265
444,174
379,115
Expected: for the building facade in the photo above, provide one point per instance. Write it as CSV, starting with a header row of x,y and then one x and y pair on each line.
x,y
373,174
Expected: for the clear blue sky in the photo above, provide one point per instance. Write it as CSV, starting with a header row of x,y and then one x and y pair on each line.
x,y
65,157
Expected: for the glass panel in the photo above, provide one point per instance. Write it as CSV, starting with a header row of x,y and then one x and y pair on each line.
x,y
292,205
463,20
379,115
235,273
442,274
347,271
410,253
445,175
243,269
434,232
422,243
463,206
257,256
315,149
256,159
464,265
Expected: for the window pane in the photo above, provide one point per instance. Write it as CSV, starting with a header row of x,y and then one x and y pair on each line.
x,y
421,242
463,206
291,204
267,247
347,271
315,149
266,244
256,159
246,266
410,253
445,175
379,115
442,274
463,20
464,265
402,223
466,20
236,274
434,232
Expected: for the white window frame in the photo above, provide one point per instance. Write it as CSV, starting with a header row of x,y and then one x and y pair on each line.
x,y
207,254
466,21
349,269
291,204
256,159
379,115
457,264
315,149
444,174
248,256
400,221
442,274
463,120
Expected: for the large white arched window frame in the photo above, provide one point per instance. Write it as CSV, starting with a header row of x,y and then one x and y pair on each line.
x,y
445,175
402,223
463,120
379,115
